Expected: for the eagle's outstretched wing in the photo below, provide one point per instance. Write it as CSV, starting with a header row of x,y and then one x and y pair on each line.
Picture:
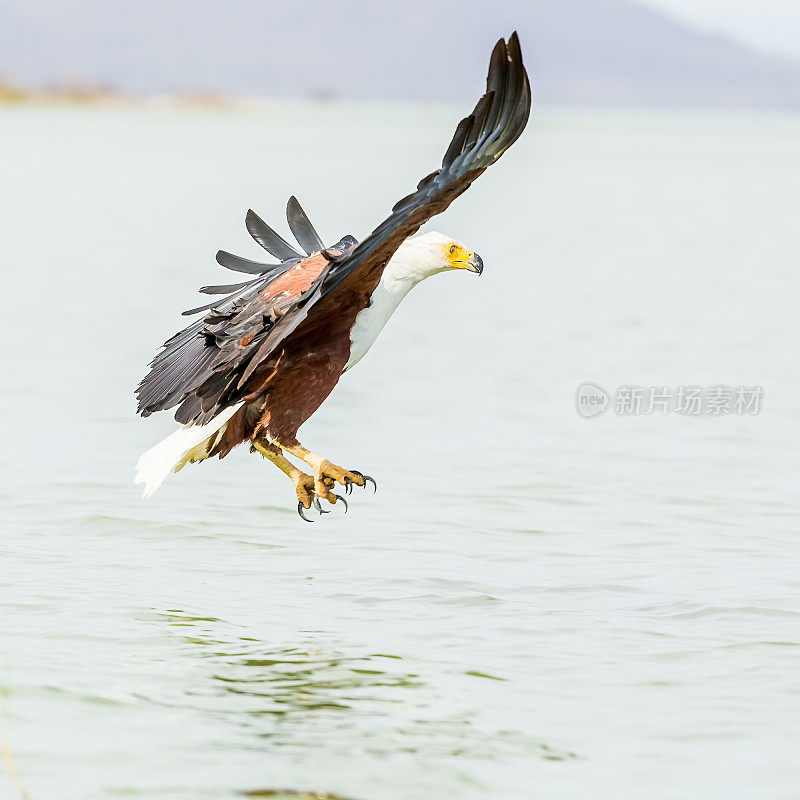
x,y
206,366
495,123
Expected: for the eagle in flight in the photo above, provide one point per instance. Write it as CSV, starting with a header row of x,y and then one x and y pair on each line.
x,y
261,360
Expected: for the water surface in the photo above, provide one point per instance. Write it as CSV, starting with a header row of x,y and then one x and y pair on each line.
x,y
533,604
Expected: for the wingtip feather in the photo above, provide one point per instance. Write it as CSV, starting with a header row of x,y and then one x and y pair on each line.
x,y
267,238
301,227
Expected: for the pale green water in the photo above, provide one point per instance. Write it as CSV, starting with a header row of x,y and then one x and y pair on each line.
x,y
534,605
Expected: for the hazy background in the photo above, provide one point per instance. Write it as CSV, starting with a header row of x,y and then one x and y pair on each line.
x,y
676,52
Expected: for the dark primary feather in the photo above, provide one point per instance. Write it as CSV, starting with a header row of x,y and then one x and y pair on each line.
x,y
239,264
268,239
192,311
204,367
301,227
225,288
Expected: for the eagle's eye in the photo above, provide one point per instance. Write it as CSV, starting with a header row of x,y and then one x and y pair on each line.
x,y
452,249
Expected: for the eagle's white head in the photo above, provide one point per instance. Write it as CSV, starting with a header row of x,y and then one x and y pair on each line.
x,y
415,260
429,253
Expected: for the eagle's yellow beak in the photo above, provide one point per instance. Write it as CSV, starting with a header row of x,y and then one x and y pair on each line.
x,y
475,263
461,258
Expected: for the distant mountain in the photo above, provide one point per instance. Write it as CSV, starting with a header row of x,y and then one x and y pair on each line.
x,y
578,51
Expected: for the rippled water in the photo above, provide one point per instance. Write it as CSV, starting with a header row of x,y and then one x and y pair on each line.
x,y
533,604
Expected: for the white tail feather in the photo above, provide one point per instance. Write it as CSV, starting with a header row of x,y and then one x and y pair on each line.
x,y
155,465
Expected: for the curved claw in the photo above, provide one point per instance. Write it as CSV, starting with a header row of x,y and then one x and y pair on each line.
x,y
367,479
319,507
339,497
348,485
300,510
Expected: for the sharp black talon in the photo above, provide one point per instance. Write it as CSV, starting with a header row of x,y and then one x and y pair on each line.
x,y
300,510
319,507
366,478
339,497
348,484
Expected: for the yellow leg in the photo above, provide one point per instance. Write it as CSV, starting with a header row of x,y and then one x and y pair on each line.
x,y
303,483
326,473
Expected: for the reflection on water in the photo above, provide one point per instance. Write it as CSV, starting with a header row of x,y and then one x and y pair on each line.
x,y
307,697
283,794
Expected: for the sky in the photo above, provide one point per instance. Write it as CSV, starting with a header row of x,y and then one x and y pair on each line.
x,y
772,26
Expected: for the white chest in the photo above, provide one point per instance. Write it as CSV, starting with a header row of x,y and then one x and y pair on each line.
x,y
369,323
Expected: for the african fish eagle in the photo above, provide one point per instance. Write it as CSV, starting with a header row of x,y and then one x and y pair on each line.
x,y
264,358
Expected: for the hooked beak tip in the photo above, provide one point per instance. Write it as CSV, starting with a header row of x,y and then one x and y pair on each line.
x,y
476,264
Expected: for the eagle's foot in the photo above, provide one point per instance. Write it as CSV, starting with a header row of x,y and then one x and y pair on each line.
x,y
310,491
330,473
304,486
324,481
